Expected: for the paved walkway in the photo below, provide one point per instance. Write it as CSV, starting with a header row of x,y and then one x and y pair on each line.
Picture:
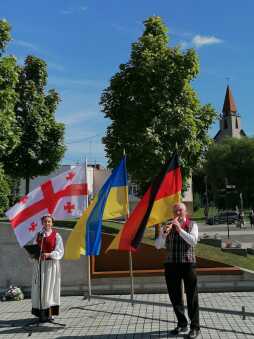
x,y
114,317
244,235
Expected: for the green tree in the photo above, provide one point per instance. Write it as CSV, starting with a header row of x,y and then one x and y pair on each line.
x,y
5,35
9,73
153,108
9,131
42,139
202,187
231,162
4,192
197,201
14,186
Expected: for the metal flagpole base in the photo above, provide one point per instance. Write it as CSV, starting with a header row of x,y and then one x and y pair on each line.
x,y
52,321
36,323
39,321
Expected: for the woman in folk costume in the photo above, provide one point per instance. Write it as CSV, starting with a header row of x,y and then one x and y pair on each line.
x,y
47,282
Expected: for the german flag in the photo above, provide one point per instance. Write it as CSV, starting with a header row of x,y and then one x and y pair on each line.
x,y
154,208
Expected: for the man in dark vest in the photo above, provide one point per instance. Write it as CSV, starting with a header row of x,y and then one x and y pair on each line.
x,y
181,237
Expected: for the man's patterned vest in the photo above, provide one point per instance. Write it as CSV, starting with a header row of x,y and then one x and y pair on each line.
x,y
179,251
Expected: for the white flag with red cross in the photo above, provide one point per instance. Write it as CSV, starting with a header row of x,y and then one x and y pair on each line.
x,y
63,196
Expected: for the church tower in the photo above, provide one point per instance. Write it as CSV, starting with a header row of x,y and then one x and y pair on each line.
x,y
230,121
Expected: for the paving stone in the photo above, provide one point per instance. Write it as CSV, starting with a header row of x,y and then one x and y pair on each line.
x,y
151,316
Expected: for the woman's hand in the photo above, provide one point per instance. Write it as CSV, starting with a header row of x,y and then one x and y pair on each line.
x,y
45,256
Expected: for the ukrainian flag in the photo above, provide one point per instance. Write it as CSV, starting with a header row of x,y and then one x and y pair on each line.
x,y
111,202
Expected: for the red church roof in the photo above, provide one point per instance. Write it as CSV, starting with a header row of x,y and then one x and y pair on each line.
x,y
229,106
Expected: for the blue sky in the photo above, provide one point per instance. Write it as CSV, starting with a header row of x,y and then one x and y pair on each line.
x,y
83,42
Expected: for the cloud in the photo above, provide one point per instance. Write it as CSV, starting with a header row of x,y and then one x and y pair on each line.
x,y
66,11
131,29
55,66
26,44
83,136
184,44
86,142
121,28
81,139
78,118
73,10
93,151
190,39
61,82
179,33
51,65
202,40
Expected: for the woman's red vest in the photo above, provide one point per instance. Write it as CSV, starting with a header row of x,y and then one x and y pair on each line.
x,y
48,243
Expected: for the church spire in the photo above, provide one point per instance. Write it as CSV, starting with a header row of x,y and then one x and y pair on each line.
x,y
229,107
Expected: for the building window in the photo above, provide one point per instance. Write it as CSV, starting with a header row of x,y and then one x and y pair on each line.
x,y
236,123
225,124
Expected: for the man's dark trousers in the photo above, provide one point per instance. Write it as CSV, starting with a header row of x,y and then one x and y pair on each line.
x,y
174,274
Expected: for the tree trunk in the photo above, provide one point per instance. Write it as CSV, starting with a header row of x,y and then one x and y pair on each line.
x,y
27,184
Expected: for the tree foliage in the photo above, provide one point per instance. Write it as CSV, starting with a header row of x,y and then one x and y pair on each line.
x,y
5,35
153,108
231,162
9,131
197,201
4,191
9,72
42,145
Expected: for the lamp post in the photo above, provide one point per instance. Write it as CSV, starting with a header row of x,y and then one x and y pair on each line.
x,y
206,200
241,211
229,188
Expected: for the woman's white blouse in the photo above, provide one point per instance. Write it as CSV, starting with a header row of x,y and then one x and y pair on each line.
x,y
58,252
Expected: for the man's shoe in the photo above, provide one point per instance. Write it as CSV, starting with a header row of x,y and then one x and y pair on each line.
x,y
178,330
193,333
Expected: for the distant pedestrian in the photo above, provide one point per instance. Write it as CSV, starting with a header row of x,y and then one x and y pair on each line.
x,y
241,218
251,217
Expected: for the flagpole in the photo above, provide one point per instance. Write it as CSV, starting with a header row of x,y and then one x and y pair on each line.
x,y
89,278
130,253
131,269
131,278
88,293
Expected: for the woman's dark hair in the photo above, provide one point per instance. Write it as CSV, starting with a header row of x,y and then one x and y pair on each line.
x,y
47,216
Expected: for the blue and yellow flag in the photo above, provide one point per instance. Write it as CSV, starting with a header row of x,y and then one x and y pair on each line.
x,y
111,202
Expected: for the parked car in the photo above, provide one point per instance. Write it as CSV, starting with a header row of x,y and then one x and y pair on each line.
x,y
221,218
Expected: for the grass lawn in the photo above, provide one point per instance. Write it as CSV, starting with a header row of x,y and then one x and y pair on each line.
x,y
199,214
216,254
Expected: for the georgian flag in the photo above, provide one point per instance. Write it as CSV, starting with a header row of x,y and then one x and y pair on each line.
x,y
63,196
